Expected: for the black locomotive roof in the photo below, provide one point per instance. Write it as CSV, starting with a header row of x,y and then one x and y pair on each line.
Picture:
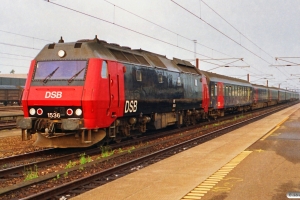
x,y
85,49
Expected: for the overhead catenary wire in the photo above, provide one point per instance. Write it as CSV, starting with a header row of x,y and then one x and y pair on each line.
x,y
236,29
14,45
162,27
129,29
219,31
16,55
25,36
226,35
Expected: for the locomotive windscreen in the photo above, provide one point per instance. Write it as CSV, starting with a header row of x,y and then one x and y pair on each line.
x,y
60,70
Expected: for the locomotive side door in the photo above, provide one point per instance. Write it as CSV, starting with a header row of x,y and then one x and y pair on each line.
x,y
115,89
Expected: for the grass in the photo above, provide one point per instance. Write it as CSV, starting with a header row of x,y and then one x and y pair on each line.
x,y
70,165
83,160
31,173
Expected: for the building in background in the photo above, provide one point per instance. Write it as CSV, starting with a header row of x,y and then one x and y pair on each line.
x,y
13,79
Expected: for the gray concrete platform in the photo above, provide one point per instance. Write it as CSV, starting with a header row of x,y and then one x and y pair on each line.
x,y
237,165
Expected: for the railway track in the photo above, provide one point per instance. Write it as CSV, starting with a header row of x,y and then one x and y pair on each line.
x,y
7,124
69,181
10,108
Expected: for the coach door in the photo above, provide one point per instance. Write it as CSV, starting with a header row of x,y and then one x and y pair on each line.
x,y
220,98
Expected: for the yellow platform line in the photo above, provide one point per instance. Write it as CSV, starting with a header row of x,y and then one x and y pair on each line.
x,y
274,129
208,184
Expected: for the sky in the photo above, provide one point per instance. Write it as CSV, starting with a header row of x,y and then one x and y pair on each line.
x,y
246,36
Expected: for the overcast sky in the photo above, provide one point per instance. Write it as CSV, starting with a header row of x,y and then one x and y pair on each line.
x,y
257,31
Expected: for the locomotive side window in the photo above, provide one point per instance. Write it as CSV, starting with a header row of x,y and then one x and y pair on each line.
x,y
178,81
196,82
160,78
104,69
138,75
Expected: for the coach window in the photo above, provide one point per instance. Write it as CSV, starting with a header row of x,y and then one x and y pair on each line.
x,y
235,91
216,90
138,75
104,69
212,91
226,91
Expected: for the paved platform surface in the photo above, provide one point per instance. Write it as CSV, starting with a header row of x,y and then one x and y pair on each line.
x,y
258,161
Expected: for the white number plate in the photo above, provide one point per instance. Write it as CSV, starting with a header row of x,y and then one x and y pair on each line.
x,y
54,115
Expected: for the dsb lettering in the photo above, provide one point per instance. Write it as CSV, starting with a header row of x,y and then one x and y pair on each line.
x,y
53,95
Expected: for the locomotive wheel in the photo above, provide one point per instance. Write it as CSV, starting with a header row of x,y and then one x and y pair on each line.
x,y
5,103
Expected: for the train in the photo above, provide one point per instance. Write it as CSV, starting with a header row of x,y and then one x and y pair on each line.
x,y
10,94
88,92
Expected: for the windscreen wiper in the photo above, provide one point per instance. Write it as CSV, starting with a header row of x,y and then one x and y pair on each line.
x,y
49,76
75,75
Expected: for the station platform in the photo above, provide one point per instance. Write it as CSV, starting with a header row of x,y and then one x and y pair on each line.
x,y
258,161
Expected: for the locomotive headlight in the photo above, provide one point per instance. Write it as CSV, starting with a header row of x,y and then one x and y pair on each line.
x,y
39,111
32,111
78,112
61,53
69,112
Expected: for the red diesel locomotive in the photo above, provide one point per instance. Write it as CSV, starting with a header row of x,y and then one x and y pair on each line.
x,y
78,94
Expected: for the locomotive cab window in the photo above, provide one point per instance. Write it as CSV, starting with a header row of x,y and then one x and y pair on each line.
x,y
104,70
60,70
138,75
